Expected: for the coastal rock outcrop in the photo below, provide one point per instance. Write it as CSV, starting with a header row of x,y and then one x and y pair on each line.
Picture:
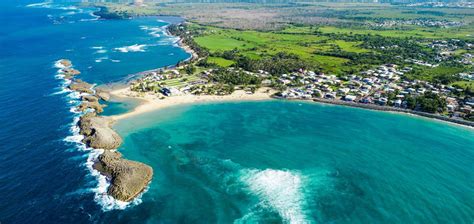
x,y
90,98
103,95
81,86
95,105
129,178
65,63
98,132
69,73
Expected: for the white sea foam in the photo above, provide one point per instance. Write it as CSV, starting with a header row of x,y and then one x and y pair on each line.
x,y
57,64
61,91
101,197
106,201
40,5
153,31
279,190
132,48
70,13
50,5
101,51
98,60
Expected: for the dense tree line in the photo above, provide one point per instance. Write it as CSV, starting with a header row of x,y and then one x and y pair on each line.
x,y
277,64
181,31
428,102
234,77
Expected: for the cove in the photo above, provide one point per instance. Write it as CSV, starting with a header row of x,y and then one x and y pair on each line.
x,y
279,161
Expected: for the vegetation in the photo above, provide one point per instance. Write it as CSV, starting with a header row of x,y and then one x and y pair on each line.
x,y
233,77
429,102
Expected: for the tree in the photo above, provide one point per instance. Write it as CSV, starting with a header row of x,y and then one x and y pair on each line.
x,y
190,69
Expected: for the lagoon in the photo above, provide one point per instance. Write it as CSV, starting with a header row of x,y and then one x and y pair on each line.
x,y
298,162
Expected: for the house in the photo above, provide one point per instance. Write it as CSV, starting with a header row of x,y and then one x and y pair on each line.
x,y
330,96
382,101
397,103
350,98
166,91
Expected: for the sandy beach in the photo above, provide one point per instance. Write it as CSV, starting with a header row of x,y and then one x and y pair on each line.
x,y
153,102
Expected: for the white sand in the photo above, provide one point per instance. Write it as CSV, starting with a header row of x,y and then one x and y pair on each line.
x,y
152,101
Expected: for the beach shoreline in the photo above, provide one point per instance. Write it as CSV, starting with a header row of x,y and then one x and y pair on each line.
x,y
151,102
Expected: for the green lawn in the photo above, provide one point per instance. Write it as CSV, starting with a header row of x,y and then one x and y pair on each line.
x,y
220,61
465,84
428,33
180,82
220,43
256,44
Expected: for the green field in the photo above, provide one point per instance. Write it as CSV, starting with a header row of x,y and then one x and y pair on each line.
x,y
465,32
465,85
430,33
220,61
255,44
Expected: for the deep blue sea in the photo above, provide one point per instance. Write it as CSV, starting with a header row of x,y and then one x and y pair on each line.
x,y
247,162
43,178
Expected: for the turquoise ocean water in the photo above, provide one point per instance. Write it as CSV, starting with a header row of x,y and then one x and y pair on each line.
x,y
265,162
290,162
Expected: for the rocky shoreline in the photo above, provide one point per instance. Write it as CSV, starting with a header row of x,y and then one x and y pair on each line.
x,y
127,178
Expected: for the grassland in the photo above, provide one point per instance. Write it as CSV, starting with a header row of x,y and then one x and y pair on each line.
x,y
220,61
465,85
258,44
466,32
256,16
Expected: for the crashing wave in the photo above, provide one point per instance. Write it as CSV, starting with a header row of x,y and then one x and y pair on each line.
x,y
46,4
101,196
132,48
153,31
278,190
98,60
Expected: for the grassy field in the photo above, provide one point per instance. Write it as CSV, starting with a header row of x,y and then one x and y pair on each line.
x,y
256,44
466,32
180,82
465,85
220,61
418,32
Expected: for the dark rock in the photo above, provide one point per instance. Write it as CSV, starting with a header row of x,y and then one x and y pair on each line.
x,y
81,86
129,178
98,132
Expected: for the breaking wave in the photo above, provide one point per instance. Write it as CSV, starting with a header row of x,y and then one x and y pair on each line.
x,y
153,31
75,138
132,48
280,190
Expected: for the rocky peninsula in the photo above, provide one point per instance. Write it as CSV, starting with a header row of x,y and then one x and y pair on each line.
x,y
127,178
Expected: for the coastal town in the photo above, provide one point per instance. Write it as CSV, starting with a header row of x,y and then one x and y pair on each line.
x,y
382,87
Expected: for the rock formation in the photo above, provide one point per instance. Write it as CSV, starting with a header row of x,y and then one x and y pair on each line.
x,y
81,86
98,132
96,106
69,73
90,98
129,178
66,63
103,95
